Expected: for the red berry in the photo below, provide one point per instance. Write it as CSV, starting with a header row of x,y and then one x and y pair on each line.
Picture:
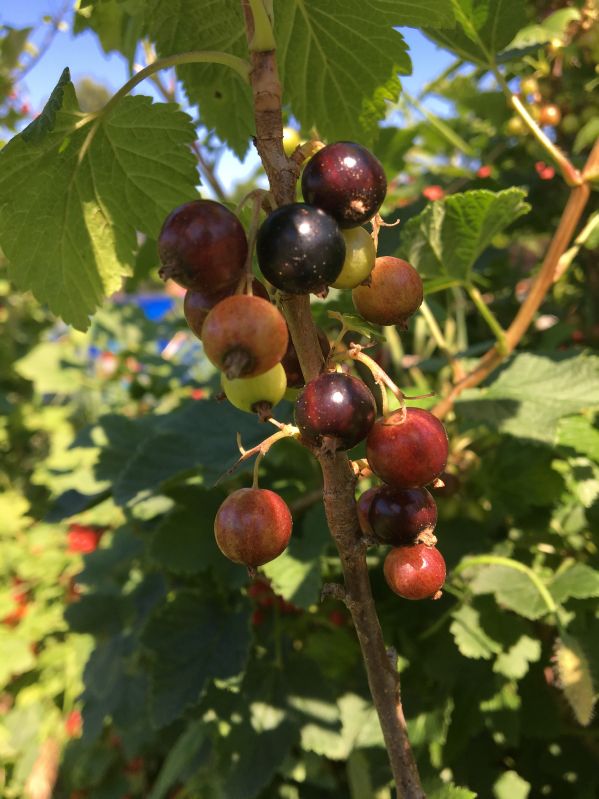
x,y
83,538
300,249
72,724
202,246
415,572
197,305
550,115
398,515
407,450
252,526
244,336
394,294
338,618
291,364
433,192
346,181
337,407
484,172
363,508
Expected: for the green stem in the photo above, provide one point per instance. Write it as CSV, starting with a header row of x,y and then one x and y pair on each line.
x,y
263,38
433,326
489,317
449,134
498,560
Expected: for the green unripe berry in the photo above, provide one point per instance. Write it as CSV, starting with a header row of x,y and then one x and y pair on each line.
x,y
257,394
291,141
359,261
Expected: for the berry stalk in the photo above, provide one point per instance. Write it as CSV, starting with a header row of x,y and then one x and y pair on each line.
x,y
339,478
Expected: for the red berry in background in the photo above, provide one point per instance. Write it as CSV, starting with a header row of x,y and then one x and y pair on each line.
x,y
291,364
363,508
415,572
300,249
338,618
202,246
197,305
483,172
398,515
407,450
244,336
544,171
345,180
433,192
549,115
84,538
394,294
335,409
73,725
253,526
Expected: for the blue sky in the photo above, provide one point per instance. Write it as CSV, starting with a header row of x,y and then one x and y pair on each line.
x,y
85,58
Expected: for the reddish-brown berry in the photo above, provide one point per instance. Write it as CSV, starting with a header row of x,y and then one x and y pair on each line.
x,y
363,508
415,572
197,305
394,294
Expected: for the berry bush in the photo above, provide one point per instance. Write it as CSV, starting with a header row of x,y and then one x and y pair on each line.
x,y
326,524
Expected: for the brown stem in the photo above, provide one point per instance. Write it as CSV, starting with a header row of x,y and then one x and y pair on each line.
x,y
339,479
544,280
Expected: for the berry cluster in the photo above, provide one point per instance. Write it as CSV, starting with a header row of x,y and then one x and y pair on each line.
x,y
301,248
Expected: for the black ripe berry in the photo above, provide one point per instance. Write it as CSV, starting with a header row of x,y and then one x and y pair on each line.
x,y
335,410
300,249
346,181
202,246
397,516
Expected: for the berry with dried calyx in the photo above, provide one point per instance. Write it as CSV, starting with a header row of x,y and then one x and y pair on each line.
x,y
202,246
407,449
253,526
335,410
257,394
345,180
300,249
197,305
415,572
398,516
394,294
244,336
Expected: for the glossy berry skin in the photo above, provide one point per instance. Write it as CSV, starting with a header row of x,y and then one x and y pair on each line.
x,y
415,572
398,515
291,364
394,294
197,305
550,115
257,394
202,246
360,255
252,526
244,336
363,506
407,452
346,181
451,485
300,249
336,407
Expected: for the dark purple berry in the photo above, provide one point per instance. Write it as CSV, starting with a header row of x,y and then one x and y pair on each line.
x,y
398,515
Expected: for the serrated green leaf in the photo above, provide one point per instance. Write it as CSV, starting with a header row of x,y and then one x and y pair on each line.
x,y
484,27
511,786
512,588
532,393
296,574
532,36
188,753
579,433
191,640
357,324
447,238
69,217
578,582
514,663
11,46
469,636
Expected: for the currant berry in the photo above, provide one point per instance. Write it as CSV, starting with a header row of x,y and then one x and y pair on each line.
x,y
197,305
257,394
335,410
407,450
360,255
300,249
252,526
202,246
244,336
415,572
550,115
346,181
529,86
394,294
291,364
398,516
363,507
